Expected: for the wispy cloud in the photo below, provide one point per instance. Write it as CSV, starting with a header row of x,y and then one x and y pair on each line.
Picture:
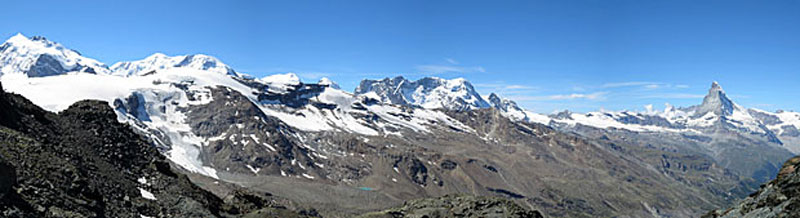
x,y
561,97
517,87
502,85
451,61
627,84
437,69
504,89
644,85
672,96
652,86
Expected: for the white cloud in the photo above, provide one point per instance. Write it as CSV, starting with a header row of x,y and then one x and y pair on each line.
x,y
652,86
682,86
645,85
673,96
504,89
517,87
451,61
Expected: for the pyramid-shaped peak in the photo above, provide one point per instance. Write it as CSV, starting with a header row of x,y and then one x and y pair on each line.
x,y
715,102
715,86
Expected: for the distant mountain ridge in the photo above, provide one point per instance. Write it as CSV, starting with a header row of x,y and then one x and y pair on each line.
x,y
395,137
717,112
159,61
428,92
38,57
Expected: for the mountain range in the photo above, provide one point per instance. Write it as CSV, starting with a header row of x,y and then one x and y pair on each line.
x,y
394,140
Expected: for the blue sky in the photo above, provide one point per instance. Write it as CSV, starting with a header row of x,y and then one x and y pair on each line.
x,y
546,55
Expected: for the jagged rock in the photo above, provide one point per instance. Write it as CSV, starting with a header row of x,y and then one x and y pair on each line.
x,y
778,198
83,163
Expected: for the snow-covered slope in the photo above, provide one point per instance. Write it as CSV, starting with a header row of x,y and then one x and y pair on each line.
x,y
155,94
428,92
164,96
514,112
166,92
38,57
328,82
323,107
159,61
281,83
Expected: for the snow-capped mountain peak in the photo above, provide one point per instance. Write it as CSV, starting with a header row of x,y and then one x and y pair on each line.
x,y
286,79
503,104
428,92
328,82
38,57
715,102
159,61
281,83
510,109
205,62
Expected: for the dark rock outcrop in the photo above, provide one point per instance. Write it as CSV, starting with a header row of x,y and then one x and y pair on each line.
x,y
83,163
777,198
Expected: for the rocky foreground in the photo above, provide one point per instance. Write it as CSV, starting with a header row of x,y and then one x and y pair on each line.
x,y
777,198
457,206
81,162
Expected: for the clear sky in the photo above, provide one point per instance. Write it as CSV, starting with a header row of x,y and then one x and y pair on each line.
x,y
546,55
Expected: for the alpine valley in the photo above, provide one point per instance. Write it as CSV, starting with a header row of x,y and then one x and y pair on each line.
x,y
189,136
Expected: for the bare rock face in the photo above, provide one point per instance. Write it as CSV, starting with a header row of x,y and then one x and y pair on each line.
x,y
778,198
716,102
83,163
249,141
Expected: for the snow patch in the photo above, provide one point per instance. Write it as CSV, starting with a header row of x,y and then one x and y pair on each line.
x,y
147,194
